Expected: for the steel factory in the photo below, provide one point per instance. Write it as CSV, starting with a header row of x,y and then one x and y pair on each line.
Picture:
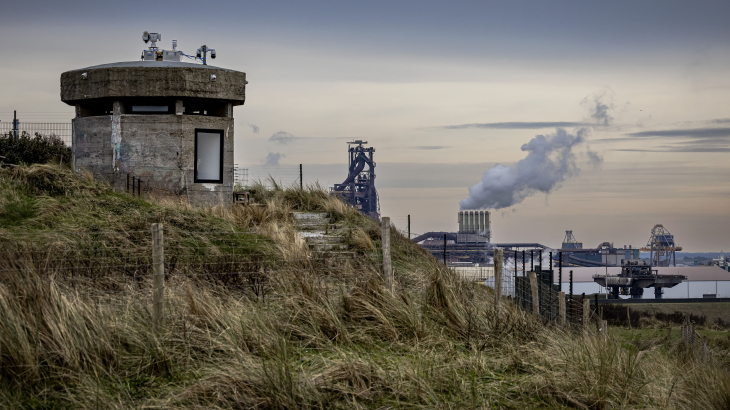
x,y
358,189
470,250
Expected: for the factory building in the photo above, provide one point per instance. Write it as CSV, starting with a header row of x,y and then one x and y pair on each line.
x,y
161,123
467,247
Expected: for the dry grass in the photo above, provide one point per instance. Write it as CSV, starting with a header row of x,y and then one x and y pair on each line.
x,y
326,333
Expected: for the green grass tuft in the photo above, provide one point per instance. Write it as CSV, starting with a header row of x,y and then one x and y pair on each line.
x,y
255,319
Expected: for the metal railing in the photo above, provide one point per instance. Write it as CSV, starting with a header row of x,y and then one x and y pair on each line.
x,y
62,130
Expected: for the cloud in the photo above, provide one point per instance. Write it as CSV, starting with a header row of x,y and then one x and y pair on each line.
x,y
599,106
431,147
273,158
680,149
684,133
549,161
254,127
695,140
517,125
282,138
594,159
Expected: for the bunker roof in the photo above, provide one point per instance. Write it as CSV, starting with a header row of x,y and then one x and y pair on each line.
x,y
152,79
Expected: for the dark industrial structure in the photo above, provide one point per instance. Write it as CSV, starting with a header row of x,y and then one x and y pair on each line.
x,y
635,276
661,247
358,189
569,242
603,255
467,247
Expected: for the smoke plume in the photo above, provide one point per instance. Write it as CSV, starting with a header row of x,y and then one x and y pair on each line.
x,y
594,159
599,106
549,161
282,137
273,158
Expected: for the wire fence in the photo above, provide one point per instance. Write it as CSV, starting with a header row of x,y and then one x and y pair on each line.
x,y
62,130
237,260
245,259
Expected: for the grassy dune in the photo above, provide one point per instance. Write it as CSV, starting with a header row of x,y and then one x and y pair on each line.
x,y
325,334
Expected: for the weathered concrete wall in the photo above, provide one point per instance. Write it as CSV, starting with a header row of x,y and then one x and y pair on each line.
x,y
153,79
159,149
92,146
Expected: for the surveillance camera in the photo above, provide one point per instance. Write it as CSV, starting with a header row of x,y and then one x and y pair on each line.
x,y
146,36
212,77
212,53
197,53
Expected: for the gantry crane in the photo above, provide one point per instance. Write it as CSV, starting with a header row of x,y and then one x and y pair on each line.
x,y
662,247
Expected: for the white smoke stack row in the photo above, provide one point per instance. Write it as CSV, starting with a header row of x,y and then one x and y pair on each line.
x,y
474,222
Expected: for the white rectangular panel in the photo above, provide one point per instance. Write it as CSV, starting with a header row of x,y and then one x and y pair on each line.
x,y
208,159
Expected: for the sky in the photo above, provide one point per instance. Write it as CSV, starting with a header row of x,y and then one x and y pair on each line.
x,y
446,91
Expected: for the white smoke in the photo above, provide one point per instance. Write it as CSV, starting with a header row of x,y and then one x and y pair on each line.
x,y
550,160
272,158
600,106
594,159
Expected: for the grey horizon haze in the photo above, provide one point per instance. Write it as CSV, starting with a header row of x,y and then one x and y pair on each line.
x,y
445,92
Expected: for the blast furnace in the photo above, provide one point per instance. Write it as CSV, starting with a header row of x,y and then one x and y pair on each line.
x,y
358,189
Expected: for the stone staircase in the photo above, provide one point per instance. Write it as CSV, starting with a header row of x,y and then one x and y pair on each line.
x,y
319,232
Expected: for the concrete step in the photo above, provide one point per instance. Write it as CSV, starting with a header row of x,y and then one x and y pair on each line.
x,y
324,239
310,217
321,247
319,233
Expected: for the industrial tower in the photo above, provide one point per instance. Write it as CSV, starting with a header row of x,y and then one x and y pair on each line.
x,y
662,247
358,189
570,242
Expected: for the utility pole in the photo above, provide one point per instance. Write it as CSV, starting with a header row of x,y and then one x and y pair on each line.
x,y
445,248
387,266
532,261
15,125
498,265
560,270
409,227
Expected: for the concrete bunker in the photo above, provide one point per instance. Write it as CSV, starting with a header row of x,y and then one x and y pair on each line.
x,y
165,121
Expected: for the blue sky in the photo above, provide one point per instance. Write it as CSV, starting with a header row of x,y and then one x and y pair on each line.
x,y
444,91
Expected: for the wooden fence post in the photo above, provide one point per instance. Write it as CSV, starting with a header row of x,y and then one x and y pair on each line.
x,y
535,296
387,268
586,313
561,308
498,266
158,265
604,329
